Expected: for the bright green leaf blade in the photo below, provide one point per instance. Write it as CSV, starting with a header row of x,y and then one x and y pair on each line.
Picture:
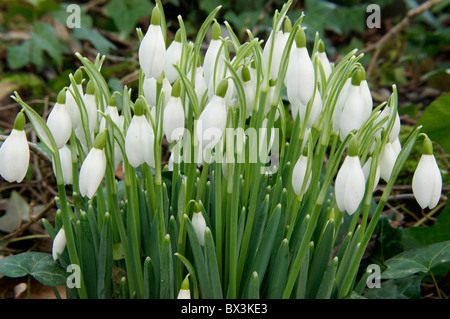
x,y
419,260
39,265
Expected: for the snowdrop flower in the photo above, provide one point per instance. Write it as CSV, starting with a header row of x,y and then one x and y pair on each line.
x,y
173,57
366,170
65,157
355,111
149,87
59,122
91,105
184,292
212,121
139,139
387,161
153,48
173,121
211,57
249,85
340,104
300,72
427,179
323,59
314,114
59,244
71,103
279,43
299,175
199,224
15,153
350,182
112,111
94,166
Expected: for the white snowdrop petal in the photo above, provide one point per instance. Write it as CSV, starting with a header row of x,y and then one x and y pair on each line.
x,y
92,172
173,120
133,145
152,52
59,244
299,174
355,185
340,184
199,224
60,124
14,156
427,182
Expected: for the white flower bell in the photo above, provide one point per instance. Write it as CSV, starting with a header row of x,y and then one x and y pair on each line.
x,y
299,176
173,121
211,56
59,244
213,119
323,59
65,157
350,182
94,166
427,179
300,76
153,48
149,87
71,103
15,153
173,57
184,292
59,122
199,224
139,139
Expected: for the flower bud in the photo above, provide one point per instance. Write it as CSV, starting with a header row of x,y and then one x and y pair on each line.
x,y
184,292
299,175
65,157
59,244
173,121
199,224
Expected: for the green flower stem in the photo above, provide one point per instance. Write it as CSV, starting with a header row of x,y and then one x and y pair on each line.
x,y
203,180
218,214
150,184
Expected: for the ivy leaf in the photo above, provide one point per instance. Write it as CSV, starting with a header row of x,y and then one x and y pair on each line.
x,y
419,260
39,265
126,13
102,44
44,37
435,121
18,55
405,288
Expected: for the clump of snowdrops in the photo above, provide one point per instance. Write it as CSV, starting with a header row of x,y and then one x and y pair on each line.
x,y
241,210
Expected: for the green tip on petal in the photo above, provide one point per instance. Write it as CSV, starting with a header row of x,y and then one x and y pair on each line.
x,y
185,283
90,88
300,38
100,139
112,100
178,36
196,208
139,106
427,146
357,77
78,76
245,74
216,32
222,88
19,122
176,88
156,16
353,147
287,24
61,97
321,46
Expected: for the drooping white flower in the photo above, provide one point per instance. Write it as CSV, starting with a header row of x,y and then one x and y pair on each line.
x,y
71,103
355,111
213,54
300,72
15,153
59,244
173,121
427,179
212,121
350,182
199,224
323,59
184,292
279,43
299,175
153,48
314,113
139,139
249,85
149,88
366,170
173,57
388,157
59,122
65,157
93,168
91,105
